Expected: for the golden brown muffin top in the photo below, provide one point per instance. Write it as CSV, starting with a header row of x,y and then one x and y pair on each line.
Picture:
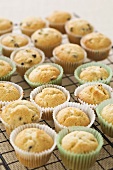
x,y
94,94
46,37
79,142
27,57
33,140
71,116
33,23
8,92
59,17
96,41
5,68
107,113
79,27
14,41
50,97
5,24
44,73
20,112
93,73
69,52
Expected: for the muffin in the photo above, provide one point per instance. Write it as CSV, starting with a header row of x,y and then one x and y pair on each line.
x,y
6,26
33,144
46,39
72,114
57,20
79,147
7,68
26,58
9,92
31,24
93,72
93,93
47,73
18,113
69,56
96,45
77,28
47,97
10,42
105,116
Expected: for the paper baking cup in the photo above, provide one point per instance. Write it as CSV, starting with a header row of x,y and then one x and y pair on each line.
x,y
82,67
6,51
106,127
57,81
86,109
12,64
47,112
96,55
79,161
9,128
19,88
31,159
68,67
80,88
21,69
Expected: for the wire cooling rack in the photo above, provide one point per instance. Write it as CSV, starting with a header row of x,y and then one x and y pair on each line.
x,y
8,160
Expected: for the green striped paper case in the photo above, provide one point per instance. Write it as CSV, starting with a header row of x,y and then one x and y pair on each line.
x,y
79,161
106,127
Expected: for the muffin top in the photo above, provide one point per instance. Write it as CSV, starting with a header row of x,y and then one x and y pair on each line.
x,y
93,73
28,57
20,112
46,37
5,24
33,140
5,68
79,142
50,97
79,27
107,113
14,41
8,92
44,73
71,116
59,17
94,94
69,52
32,23
96,41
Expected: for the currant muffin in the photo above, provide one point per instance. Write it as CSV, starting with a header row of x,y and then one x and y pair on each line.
x,y
6,26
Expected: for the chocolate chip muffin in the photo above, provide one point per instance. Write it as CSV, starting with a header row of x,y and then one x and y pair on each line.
x,y
5,68
6,26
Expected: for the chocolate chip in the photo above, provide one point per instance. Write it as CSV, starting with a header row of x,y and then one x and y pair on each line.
x,y
20,118
71,29
16,45
30,61
101,78
30,147
34,55
75,56
20,23
11,23
22,63
68,18
36,41
40,33
52,79
24,123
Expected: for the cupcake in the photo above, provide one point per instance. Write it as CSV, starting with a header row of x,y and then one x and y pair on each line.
x,y
47,73
26,58
96,45
7,68
46,39
6,26
47,97
72,114
31,24
93,72
69,56
105,116
9,92
79,147
12,41
93,94
18,113
58,19
33,144
77,28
